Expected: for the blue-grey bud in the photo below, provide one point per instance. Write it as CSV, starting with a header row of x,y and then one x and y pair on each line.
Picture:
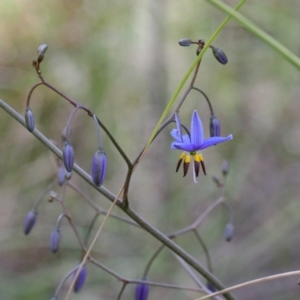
x,y
79,283
41,51
184,42
141,291
214,126
68,156
29,221
225,167
219,55
99,167
61,175
29,119
229,230
54,240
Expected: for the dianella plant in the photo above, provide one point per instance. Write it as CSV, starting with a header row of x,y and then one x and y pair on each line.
x,y
192,130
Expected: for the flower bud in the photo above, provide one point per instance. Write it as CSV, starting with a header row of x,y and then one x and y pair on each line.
x,y
41,51
68,156
54,241
141,291
225,167
184,42
61,175
229,230
219,55
29,119
29,221
214,126
99,167
79,283
211,287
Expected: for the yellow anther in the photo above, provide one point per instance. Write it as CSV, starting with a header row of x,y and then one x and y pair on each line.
x,y
187,159
198,157
182,155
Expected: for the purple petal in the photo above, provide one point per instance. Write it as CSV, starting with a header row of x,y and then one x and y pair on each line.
x,y
175,135
214,141
178,124
189,147
196,129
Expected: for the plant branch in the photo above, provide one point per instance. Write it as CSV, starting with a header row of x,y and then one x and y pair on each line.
x,y
145,225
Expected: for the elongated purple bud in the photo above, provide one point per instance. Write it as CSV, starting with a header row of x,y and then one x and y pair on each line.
x,y
79,283
214,126
99,167
229,230
68,156
29,119
141,291
29,221
184,42
219,55
54,241
61,175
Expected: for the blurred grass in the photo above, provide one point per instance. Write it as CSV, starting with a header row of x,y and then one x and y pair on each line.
x,y
123,61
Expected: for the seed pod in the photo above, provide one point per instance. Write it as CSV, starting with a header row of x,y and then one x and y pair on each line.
x,y
99,167
68,156
184,42
54,241
29,119
41,51
79,283
141,291
219,55
229,230
29,221
214,126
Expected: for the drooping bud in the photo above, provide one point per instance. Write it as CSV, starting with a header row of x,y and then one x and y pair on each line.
x,y
225,167
211,287
54,241
184,42
214,126
29,221
41,51
29,119
141,291
219,55
229,230
79,283
68,156
99,167
61,175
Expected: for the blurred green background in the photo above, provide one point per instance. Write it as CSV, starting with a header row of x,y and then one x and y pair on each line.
x,y
122,60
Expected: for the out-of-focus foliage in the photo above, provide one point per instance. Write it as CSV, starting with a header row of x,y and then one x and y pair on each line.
x,y
122,59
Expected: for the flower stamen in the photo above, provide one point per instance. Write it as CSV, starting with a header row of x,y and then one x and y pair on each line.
x,y
181,157
186,164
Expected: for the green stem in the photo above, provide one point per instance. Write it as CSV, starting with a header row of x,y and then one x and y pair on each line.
x,y
248,25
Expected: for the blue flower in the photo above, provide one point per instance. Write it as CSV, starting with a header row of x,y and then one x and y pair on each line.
x,y
192,143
